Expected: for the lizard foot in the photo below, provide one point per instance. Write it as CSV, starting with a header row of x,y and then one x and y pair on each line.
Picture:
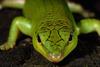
x,y
6,46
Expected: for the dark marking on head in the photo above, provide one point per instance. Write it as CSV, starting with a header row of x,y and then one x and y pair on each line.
x,y
71,35
39,40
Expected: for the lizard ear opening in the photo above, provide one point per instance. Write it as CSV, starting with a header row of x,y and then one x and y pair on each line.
x,y
38,38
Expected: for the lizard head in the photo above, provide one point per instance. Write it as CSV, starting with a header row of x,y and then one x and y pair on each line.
x,y
55,40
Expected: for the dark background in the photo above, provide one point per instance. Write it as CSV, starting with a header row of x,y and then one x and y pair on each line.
x,y
86,54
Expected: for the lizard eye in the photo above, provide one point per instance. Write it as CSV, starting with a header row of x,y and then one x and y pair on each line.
x,y
38,38
70,38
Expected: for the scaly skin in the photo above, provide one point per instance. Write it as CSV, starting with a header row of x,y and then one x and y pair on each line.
x,y
53,29
51,26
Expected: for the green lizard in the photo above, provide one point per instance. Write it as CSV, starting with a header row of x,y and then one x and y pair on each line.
x,y
50,24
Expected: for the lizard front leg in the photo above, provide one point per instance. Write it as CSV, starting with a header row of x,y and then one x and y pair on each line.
x,y
89,25
19,24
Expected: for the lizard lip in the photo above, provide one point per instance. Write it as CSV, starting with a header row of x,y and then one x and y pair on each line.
x,y
55,57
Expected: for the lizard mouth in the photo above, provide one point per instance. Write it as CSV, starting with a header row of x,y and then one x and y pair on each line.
x,y
55,57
